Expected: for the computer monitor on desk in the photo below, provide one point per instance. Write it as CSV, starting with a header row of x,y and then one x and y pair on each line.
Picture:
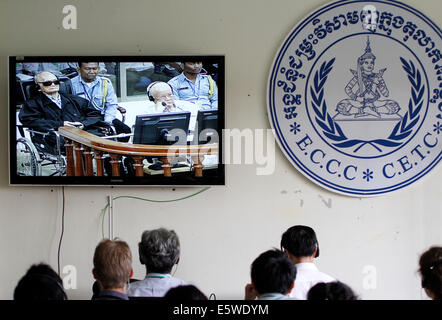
x,y
206,127
162,128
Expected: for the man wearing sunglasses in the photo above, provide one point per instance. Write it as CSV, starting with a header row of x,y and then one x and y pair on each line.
x,y
51,109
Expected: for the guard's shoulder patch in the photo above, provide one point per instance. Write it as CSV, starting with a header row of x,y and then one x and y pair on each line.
x,y
105,79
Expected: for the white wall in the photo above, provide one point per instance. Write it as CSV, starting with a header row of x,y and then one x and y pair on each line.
x,y
223,229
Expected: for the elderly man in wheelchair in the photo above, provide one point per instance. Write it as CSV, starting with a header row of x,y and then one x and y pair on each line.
x,y
50,109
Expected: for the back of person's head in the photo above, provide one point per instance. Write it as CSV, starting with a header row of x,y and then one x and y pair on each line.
x,y
40,282
430,268
159,250
112,263
185,293
273,272
331,291
300,241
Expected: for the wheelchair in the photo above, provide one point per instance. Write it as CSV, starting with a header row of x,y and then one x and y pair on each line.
x,y
34,156
34,160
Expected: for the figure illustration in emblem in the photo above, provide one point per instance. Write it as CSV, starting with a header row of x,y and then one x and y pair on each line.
x,y
365,100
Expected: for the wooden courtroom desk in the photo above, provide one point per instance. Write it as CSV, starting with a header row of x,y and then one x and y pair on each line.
x,y
82,147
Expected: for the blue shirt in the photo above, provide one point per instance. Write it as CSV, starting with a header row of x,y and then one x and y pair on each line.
x,y
154,285
94,93
110,295
198,92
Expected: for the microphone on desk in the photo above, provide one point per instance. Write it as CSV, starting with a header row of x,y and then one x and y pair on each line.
x,y
168,107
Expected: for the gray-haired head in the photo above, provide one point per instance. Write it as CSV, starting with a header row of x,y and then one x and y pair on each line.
x,y
159,250
44,76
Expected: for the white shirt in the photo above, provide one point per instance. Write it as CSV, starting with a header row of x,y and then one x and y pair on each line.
x,y
274,296
181,105
307,275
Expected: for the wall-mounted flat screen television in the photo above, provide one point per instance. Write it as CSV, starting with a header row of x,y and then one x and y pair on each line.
x,y
116,120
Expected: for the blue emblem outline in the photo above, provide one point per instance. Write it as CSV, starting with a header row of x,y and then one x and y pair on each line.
x,y
271,104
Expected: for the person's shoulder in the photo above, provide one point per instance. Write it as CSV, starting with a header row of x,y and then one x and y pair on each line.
x,y
178,281
187,105
328,278
324,277
74,97
75,80
133,286
136,284
276,296
111,295
40,100
104,79
151,108
207,77
175,79
68,95
35,99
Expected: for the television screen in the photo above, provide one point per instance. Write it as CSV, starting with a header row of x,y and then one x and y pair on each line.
x,y
206,126
162,128
116,120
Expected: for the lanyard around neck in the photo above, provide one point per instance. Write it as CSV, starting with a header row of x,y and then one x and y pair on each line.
x,y
195,85
90,96
157,277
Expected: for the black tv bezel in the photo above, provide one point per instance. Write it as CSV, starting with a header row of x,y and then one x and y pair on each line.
x,y
216,176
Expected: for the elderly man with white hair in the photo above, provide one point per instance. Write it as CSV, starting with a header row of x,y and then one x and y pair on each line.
x,y
159,251
162,101
51,109
160,93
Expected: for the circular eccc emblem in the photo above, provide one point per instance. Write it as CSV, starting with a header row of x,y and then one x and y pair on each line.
x,y
355,96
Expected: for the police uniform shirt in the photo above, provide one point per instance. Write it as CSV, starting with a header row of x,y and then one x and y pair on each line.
x,y
198,92
94,91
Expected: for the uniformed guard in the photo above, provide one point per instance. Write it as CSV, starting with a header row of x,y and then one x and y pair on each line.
x,y
100,92
195,87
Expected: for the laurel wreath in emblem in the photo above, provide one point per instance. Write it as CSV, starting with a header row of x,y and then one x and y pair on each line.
x,y
401,130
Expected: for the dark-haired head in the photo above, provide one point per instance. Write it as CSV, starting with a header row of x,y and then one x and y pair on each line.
x,y
40,282
185,293
85,61
300,241
331,291
273,272
430,269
